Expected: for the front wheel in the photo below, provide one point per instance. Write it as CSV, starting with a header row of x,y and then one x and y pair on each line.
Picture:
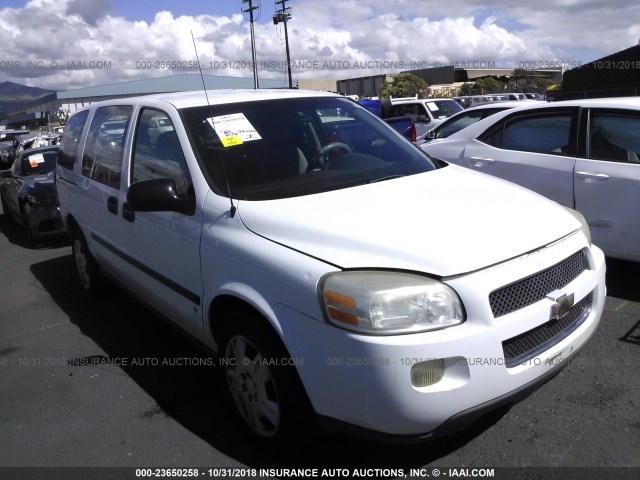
x,y
5,208
262,381
86,266
31,236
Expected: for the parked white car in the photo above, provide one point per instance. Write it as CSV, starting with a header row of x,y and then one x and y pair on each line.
x,y
583,154
336,269
468,117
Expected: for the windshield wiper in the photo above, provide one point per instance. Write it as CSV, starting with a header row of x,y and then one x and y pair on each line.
x,y
382,179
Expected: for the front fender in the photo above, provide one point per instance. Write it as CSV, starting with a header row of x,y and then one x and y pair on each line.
x,y
243,293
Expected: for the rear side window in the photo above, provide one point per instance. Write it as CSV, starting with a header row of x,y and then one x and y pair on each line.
x,y
102,159
548,133
70,140
614,137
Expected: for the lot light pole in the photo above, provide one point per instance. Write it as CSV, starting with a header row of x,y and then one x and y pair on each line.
x,y
283,16
254,59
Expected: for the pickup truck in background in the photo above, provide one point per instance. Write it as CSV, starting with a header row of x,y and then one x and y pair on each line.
x,y
425,113
403,124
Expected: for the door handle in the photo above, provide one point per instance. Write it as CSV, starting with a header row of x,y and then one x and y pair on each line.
x,y
596,176
481,161
112,205
127,213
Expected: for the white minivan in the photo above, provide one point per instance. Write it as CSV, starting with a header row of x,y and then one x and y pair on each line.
x,y
340,273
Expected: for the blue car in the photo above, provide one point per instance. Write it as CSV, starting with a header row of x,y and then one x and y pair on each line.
x,y
28,194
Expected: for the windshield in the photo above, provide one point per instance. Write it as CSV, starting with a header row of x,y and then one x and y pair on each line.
x,y
444,108
298,146
457,123
38,163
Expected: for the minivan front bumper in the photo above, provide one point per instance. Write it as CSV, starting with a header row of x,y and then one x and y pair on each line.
x,y
362,383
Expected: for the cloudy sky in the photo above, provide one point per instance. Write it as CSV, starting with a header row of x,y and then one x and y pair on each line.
x,y
64,44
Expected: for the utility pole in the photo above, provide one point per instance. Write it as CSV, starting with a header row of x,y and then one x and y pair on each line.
x,y
254,59
283,16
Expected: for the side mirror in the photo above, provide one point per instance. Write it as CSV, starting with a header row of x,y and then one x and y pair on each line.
x,y
431,134
159,195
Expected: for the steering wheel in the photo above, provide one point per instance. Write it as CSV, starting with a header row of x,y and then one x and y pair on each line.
x,y
323,151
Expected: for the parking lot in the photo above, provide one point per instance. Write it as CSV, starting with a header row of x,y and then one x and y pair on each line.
x,y
62,403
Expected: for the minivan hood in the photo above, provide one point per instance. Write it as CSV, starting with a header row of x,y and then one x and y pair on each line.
x,y
444,222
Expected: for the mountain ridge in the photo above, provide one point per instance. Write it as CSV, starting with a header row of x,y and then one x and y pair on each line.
x,y
15,96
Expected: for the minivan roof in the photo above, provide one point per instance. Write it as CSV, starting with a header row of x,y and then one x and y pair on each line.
x,y
216,97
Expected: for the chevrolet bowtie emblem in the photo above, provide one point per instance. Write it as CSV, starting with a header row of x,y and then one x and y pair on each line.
x,y
562,304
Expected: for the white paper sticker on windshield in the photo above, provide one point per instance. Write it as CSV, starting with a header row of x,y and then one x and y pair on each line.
x,y
432,106
234,129
36,159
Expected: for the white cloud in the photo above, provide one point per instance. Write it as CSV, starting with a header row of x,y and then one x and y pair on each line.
x,y
349,33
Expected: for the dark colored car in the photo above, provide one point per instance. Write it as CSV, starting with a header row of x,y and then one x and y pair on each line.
x,y
28,193
9,142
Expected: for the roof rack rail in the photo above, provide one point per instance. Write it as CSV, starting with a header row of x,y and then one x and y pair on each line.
x,y
415,97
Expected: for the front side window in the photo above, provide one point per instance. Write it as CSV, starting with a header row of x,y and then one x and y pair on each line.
x,y
614,137
541,133
71,139
102,159
283,148
157,151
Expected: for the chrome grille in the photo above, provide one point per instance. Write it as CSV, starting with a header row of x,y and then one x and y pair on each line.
x,y
537,286
529,344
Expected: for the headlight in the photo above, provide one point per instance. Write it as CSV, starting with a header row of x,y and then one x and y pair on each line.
x,y
386,303
583,222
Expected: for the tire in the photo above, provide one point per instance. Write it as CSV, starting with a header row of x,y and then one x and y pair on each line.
x,y
269,399
31,236
5,209
385,107
87,269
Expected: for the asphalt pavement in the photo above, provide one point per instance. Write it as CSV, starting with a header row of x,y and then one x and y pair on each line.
x,y
70,395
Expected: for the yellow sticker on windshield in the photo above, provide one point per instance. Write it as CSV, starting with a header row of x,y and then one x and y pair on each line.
x,y
231,141
234,129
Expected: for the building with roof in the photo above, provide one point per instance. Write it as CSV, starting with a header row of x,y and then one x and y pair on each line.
x,y
34,114
59,105
363,86
615,75
443,81
450,74
319,84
